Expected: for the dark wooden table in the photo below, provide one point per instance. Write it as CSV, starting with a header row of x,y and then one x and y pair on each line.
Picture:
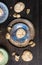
x,y
34,18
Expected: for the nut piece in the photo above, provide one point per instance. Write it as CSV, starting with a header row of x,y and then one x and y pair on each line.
x,y
13,54
31,42
17,58
7,36
28,11
27,56
9,28
19,7
33,45
16,15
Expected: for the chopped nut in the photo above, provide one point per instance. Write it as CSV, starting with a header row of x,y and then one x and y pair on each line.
x,y
9,28
33,45
13,54
28,11
17,15
17,58
31,42
7,36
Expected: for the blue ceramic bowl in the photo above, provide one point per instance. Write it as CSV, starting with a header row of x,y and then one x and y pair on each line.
x,y
20,26
26,27
4,8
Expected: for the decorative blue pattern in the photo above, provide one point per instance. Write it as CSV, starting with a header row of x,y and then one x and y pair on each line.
x,y
6,12
15,28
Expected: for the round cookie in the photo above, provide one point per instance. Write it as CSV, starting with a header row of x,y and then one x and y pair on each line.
x,y
27,56
19,7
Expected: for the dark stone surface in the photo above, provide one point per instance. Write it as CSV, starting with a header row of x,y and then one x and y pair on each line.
x,y
34,18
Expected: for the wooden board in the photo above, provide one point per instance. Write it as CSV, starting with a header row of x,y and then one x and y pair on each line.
x,y
33,16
